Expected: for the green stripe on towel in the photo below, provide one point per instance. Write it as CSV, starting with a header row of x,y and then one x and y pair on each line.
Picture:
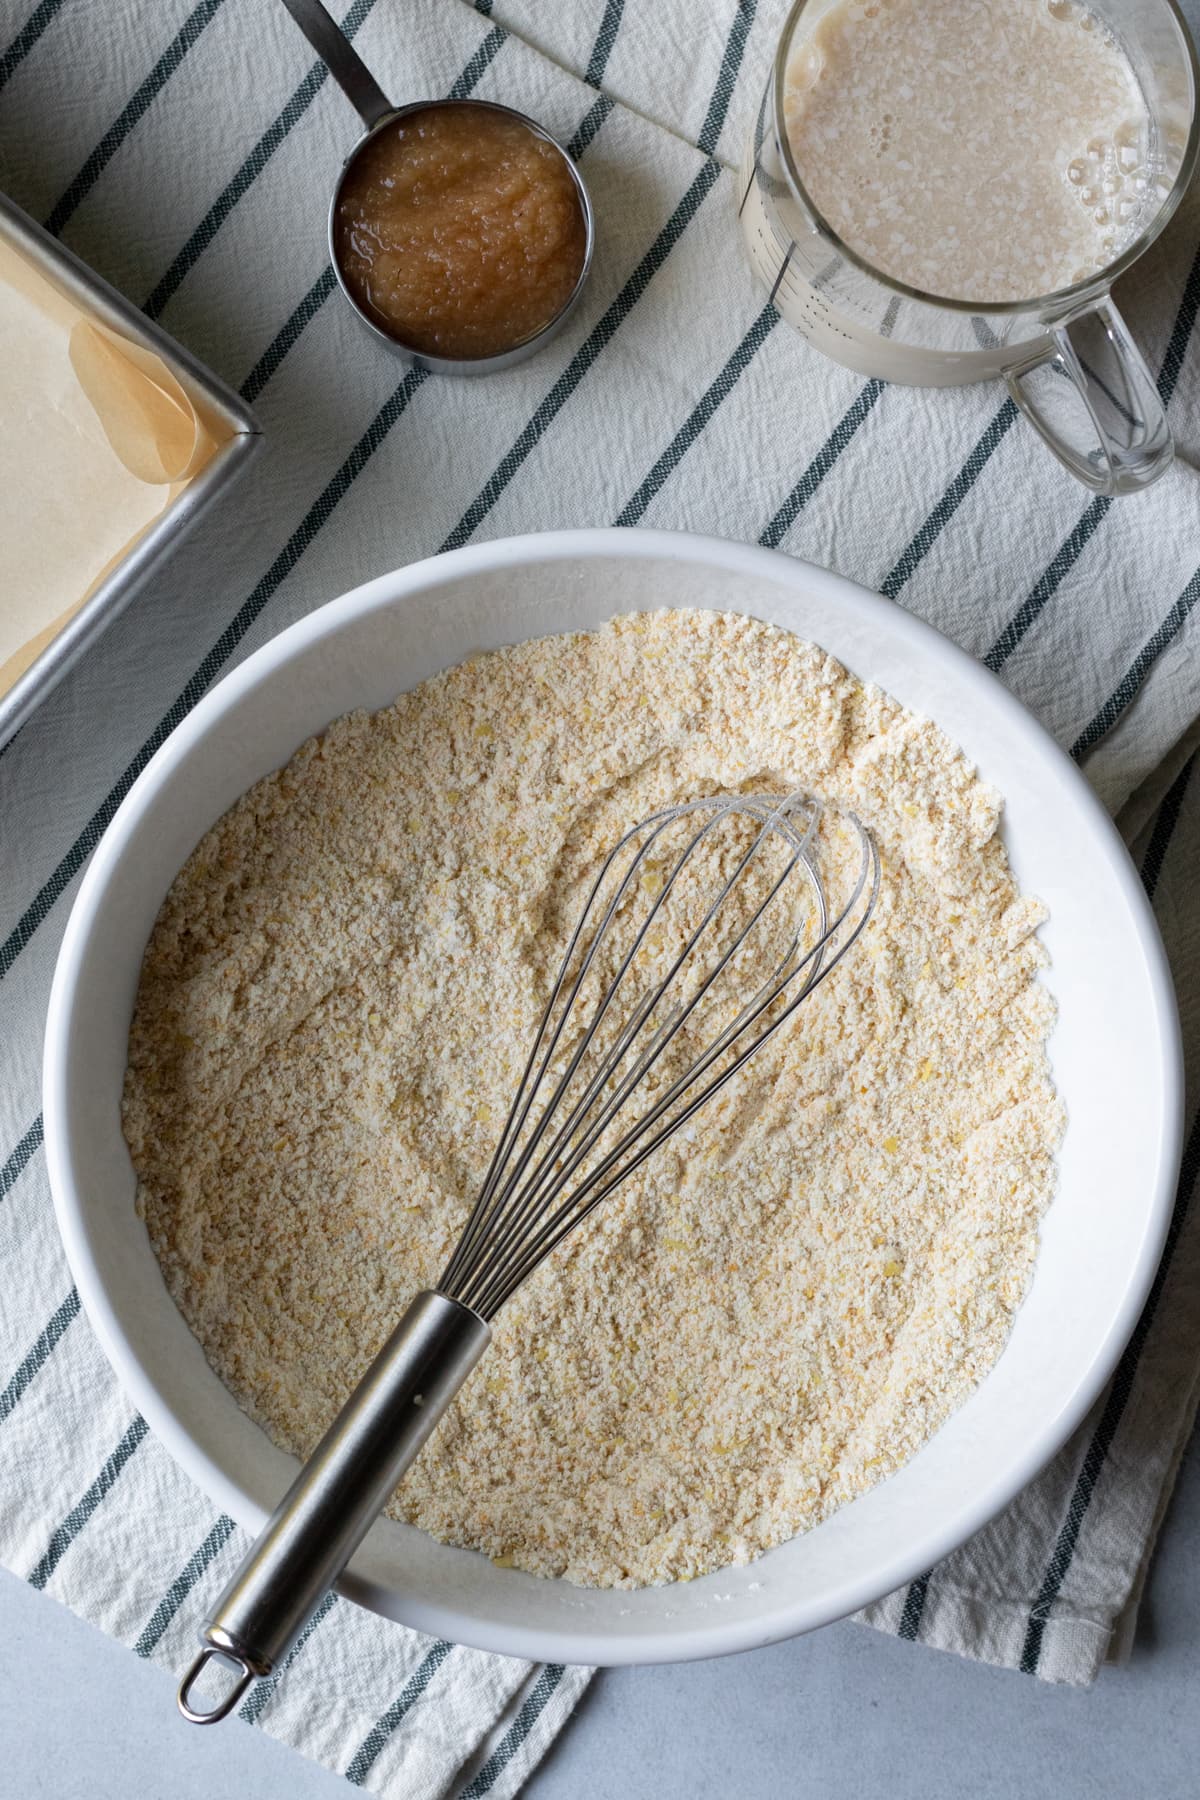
x,y
1126,690
26,38
914,1606
368,1751
1047,583
535,1704
821,464
935,523
263,1692
698,418
479,63
589,125
1164,829
40,1353
731,63
183,1584
132,112
21,1157
64,1535
606,37
286,336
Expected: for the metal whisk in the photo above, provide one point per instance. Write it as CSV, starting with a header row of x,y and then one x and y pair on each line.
x,y
707,926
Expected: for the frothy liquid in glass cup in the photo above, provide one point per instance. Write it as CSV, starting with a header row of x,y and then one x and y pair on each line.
x,y
986,150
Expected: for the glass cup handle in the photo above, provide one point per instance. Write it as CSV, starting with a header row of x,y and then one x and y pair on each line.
x,y
1090,396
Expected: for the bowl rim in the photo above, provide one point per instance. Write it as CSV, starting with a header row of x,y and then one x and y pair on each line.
x,y
708,1636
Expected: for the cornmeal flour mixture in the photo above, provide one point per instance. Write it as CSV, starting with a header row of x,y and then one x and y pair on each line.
x,y
335,1008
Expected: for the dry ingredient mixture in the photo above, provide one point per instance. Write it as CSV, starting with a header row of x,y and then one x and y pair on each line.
x,y
769,1317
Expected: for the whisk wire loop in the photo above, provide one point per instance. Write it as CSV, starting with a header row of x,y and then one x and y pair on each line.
x,y
502,1283
656,825
523,1099
560,1115
528,1188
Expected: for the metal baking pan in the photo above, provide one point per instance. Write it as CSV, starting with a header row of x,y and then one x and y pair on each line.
x,y
207,393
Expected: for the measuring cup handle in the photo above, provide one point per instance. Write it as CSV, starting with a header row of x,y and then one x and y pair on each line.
x,y
343,62
1118,440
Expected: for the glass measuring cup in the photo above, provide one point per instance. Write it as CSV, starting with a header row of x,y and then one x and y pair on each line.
x,y
1067,357
379,114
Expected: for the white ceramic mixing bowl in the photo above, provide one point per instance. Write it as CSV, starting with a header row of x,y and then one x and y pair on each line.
x,y
1115,1054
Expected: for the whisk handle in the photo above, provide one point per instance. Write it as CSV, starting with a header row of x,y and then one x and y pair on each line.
x,y
344,1485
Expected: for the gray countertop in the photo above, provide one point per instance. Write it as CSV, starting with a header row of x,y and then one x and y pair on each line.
x,y
845,1712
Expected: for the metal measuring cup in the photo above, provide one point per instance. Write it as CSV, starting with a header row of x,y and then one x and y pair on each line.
x,y
378,114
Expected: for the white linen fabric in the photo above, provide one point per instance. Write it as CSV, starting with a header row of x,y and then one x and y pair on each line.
x,y
187,150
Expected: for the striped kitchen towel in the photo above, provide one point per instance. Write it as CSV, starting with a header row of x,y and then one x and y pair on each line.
x,y
187,149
